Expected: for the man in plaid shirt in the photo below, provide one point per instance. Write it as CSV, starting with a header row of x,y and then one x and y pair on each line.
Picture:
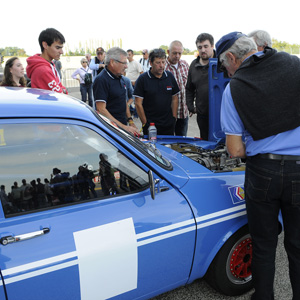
x,y
179,68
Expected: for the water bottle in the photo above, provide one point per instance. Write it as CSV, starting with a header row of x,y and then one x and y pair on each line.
x,y
152,133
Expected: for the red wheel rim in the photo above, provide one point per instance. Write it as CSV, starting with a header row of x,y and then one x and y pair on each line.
x,y
241,258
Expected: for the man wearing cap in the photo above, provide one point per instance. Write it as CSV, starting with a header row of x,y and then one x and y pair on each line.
x,y
260,115
97,63
110,90
144,61
197,82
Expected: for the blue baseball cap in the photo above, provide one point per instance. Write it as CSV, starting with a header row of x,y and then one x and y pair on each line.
x,y
225,42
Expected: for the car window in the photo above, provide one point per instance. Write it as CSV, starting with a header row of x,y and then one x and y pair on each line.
x,y
143,146
48,165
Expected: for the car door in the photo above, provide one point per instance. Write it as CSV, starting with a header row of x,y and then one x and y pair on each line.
x,y
84,224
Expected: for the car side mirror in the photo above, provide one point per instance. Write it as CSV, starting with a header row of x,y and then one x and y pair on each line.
x,y
152,183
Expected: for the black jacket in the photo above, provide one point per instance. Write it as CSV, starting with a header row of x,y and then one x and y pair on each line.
x,y
197,87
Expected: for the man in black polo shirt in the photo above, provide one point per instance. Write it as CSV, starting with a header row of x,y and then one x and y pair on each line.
x,y
156,97
110,90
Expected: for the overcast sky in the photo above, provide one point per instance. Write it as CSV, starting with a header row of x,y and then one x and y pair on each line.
x,y
144,24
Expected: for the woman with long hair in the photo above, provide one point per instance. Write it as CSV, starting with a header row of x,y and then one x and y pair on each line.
x,y
13,73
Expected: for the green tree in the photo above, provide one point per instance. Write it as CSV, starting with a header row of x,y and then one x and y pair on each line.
x,y
284,46
164,47
12,51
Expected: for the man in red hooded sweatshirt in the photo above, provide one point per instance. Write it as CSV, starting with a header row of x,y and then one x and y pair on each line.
x,y
40,68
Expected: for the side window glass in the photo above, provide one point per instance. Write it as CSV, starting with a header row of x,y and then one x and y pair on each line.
x,y
48,165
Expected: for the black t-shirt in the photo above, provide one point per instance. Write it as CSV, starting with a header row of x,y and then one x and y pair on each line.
x,y
157,96
112,90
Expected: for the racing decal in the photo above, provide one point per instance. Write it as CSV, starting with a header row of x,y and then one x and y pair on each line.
x,y
165,232
107,259
107,255
237,194
40,267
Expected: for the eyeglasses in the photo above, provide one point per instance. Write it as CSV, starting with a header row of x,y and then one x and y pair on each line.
x,y
144,53
121,62
84,62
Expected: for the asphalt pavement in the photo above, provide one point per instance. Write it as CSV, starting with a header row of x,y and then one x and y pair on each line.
x,y
199,289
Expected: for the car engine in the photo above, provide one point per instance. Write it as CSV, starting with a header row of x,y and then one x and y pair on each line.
x,y
216,160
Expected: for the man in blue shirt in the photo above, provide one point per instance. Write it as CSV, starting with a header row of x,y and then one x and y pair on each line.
x,y
110,90
261,104
156,97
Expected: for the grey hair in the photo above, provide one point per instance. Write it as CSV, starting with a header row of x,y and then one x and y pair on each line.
x,y
82,59
239,49
175,43
114,53
262,38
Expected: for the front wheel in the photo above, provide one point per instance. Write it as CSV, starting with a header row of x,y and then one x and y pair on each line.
x,y
230,271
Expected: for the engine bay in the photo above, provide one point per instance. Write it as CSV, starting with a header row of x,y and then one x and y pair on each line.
x,y
217,160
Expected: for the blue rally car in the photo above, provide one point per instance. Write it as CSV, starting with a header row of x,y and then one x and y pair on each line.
x,y
91,212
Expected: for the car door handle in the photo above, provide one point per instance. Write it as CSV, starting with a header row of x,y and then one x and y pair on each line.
x,y
22,237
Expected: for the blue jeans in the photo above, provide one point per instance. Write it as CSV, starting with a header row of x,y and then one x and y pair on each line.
x,y
87,90
271,186
181,126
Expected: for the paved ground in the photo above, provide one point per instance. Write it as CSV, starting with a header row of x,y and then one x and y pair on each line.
x,y
199,289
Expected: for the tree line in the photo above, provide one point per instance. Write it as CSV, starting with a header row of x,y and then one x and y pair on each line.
x,y
91,46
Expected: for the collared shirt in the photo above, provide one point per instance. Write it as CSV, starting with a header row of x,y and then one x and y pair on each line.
x,y
95,67
81,72
157,94
112,90
181,74
285,143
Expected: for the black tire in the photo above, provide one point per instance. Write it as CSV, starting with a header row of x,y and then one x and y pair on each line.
x,y
230,272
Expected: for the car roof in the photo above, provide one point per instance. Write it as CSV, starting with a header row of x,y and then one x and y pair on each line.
x,y
28,102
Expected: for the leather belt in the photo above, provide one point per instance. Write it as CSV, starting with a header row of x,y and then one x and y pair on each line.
x,y
278,157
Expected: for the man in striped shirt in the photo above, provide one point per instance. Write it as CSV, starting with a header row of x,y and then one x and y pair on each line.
x,y
179,68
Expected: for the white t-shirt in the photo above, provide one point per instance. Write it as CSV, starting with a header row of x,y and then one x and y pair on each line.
x,y
134,70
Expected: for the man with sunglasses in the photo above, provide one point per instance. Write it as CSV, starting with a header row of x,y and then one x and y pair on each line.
x,y
110,90
144,61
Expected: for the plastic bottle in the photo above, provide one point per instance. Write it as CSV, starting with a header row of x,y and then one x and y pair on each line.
x,y
152,133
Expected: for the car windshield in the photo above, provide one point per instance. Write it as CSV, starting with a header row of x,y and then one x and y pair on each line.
x,y
139,143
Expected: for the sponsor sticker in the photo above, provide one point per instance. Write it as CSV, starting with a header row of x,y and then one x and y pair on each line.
x,y
237,194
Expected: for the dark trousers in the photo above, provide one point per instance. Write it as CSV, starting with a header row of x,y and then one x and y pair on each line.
x,y
87,90
181,126
202,122
271,186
